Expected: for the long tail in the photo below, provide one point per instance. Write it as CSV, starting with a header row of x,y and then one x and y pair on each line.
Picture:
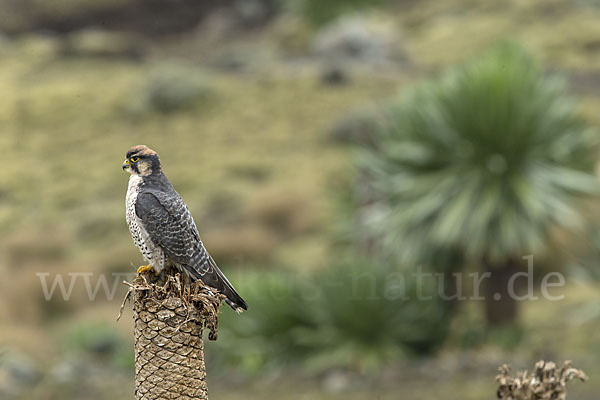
x,y
233,299
216,279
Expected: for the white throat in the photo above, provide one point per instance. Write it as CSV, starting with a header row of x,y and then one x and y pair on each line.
x,y
135,180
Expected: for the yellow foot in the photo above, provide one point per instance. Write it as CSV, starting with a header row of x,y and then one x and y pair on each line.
x,y
145,268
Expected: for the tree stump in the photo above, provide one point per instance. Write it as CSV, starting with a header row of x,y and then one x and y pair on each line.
x,y
170,315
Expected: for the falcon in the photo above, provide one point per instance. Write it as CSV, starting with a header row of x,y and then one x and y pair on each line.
x,y
163,229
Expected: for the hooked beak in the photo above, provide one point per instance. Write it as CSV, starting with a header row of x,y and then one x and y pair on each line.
x,y
125,164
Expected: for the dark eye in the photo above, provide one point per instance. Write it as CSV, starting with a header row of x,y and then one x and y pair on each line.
x,y
134,159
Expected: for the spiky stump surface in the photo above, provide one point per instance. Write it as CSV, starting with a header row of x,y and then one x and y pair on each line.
x,y
170,317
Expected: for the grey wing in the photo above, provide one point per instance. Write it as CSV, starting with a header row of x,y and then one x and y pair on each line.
x,y
171,226
167,224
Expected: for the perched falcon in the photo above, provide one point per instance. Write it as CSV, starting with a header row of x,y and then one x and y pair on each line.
x,y
163,228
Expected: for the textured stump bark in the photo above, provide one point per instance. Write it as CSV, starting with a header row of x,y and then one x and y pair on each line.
x,y
170,317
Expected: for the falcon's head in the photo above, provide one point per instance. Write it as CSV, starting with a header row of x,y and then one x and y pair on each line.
x,y
141,160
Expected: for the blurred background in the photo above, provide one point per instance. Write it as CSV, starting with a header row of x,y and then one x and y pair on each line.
x,y
328,149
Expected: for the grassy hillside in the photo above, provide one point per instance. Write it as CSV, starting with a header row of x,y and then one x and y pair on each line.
x,y
252,155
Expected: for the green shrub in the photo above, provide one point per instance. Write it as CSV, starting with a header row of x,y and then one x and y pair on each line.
x,y
268,335
170,87
99,341
348,316
368,316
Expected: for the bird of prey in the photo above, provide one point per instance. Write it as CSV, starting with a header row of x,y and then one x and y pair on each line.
x,y
163,228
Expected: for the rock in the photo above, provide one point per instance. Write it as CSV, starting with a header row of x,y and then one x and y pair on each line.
x,y
68,371
252,12
356,127
360,40
232,60
228,22
587,82
20,369
337,382
218,26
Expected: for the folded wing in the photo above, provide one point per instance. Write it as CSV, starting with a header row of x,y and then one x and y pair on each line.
x,y
170,225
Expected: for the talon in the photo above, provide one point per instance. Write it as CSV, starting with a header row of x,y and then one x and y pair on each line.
x,y
145,268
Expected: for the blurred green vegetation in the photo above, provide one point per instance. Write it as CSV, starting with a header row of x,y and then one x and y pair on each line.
x,y
249,129
349,315
99,341
489,159
169,88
